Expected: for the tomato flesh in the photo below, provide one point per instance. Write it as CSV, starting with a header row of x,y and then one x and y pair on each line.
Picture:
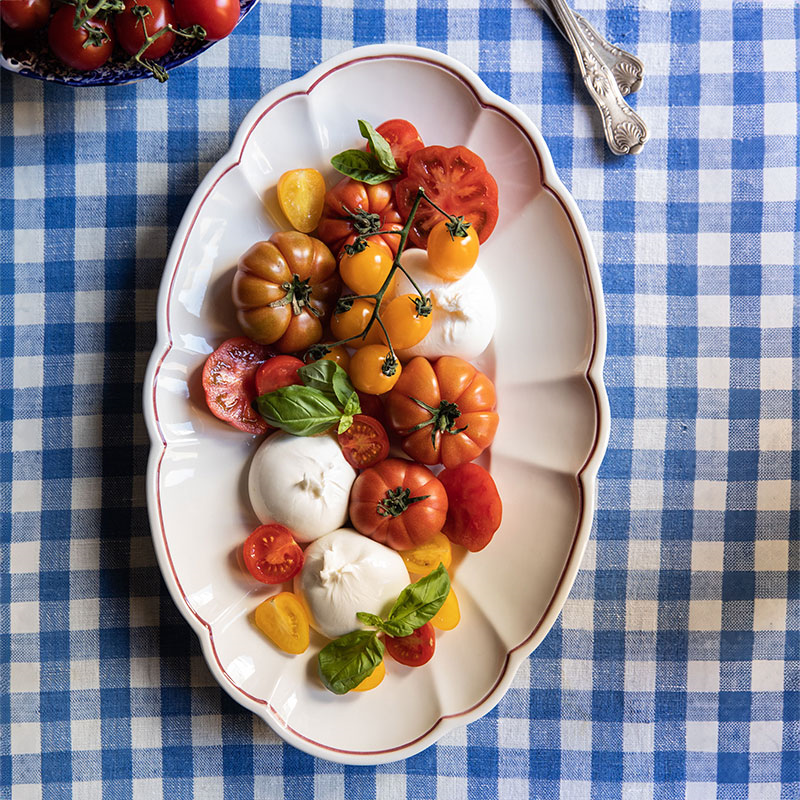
x,y
426,557
283,619
301,194
449,615
415,649
271,554
474,510
131,33
68,43
217,17
278,372
229,383
364,443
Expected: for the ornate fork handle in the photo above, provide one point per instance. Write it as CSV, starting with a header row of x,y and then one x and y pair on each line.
x,y
624,129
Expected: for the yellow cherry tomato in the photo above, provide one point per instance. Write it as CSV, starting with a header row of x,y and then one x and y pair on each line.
x,y
366,369
372,680
424,558
285,621
365,272
301,195
451,256
405,321
338,355
353,321
449,615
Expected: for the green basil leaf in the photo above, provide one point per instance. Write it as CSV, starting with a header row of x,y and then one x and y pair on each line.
x,y
344,423
319,375
419,602
369,619
380,147
344,391
299,410
361,166
352,405
348,660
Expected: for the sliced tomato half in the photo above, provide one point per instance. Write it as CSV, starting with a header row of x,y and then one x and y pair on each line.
x,y
271,554
364,443
415,649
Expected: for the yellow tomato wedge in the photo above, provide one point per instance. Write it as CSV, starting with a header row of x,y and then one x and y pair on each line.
x,y
301,195
284,620
372,680
449,615
424,558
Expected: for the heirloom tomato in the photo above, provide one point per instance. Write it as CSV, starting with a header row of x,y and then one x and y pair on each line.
x,y
398,503
474,506
444,411
455,179
285,289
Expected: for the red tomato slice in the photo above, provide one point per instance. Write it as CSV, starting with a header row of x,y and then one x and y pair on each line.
x,y
271,554
278,372
229,382
457,180
403,138
364,443
474,509
415,649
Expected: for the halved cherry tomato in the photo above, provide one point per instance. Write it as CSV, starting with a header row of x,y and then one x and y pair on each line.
x,y
131,29
404,140
373,206
364,443
455,179
218,17
367,369
284,620
353,321
365,272
398,503
444,411
406,322
474,506
424,558
372,680
449,615
415,649
229,382
25,15
451,257
301,194
72,46
271,554
278,372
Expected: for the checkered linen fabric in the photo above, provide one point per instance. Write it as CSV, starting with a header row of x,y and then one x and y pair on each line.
x,y
674,669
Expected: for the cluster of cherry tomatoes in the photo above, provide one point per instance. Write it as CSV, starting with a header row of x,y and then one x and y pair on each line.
x,y
83,34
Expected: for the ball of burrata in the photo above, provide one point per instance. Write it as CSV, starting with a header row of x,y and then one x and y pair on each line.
x,y
302,482
344,573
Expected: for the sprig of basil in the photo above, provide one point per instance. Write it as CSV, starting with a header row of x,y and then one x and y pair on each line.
x,y
374,167
348,660
330,379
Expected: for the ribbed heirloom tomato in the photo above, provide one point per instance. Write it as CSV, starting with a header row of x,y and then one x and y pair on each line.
x,y
285,289
398,503
443,410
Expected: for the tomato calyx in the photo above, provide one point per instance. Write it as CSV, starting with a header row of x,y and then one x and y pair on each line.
x,y
423,305
397,500
317,351
443,419
457,226
298,294
365,224
389,366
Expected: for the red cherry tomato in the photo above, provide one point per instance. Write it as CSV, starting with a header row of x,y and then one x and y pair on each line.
x,y
131,30
68,43
403,138
278,372
364,443
474,510
25,15
455,179
230,386
271,554
218,17
415,649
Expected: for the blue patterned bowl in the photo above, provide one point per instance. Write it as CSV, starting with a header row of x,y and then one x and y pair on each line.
x,y
30,56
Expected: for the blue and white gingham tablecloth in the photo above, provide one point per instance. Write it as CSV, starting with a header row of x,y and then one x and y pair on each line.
x,y
674,670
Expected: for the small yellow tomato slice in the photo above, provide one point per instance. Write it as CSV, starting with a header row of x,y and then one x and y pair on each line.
x,y
452,257
285,621
366,369
372,680
366,271
301,195
449,615
424,558
404,322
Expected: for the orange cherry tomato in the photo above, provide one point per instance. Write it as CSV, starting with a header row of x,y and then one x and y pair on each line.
x,y
407,320
338,354
352,322
284,620
449,615
367,369
424,558
301,194
372,680
365,272
452,257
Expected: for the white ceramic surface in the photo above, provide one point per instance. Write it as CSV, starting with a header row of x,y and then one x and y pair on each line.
x,y
546,358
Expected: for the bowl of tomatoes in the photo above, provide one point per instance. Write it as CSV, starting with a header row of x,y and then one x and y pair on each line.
x,y
107,42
